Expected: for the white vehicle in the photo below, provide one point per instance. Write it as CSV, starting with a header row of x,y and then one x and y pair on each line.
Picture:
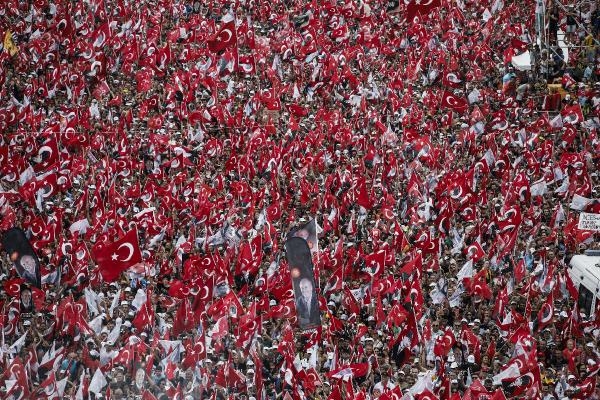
x,y
584,270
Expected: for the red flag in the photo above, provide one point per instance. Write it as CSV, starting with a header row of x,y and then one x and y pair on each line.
x,y
16,370
101,35
450,79
572,114
375,263
350,303
520,270
362,194
498,395
586,388
444,343
474,252
456,103
416,264
417,8
351,370
426,395
144,317
397,315
334,283
114,258
546,312
225,38
49,386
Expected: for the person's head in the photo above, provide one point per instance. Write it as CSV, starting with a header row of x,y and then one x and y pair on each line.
x,y
306,287
26,296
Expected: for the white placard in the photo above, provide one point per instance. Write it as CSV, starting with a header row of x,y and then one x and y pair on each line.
x,y
589,222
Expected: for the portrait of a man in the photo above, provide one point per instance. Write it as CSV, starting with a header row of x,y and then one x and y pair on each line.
x,y
307,304
26,301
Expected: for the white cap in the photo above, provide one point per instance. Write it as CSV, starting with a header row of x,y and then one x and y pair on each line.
x,y
471,358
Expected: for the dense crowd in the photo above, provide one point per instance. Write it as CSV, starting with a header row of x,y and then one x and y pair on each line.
x,y
442,178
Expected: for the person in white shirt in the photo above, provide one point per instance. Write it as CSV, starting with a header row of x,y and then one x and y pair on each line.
x,y
385,384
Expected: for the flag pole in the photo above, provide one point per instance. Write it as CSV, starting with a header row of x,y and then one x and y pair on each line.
x,y
237,43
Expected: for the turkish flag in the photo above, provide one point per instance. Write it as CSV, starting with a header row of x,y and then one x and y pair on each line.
x,y
144,317
351,370
474,252
426,395
375,263
456,103
572,114
19,385
49,387
451,79
114,258
101,36
47,156
350,303
546,313
417,8
225,38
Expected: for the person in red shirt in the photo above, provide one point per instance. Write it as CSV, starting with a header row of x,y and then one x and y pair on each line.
x,y
570,353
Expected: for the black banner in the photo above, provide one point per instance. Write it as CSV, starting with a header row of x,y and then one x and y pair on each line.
x,y
21,253
301,268
307,232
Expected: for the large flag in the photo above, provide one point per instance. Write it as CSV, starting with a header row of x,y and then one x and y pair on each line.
x,y
308,232
456,103
572,114
301,268
225,38
114,258
416,8
22,254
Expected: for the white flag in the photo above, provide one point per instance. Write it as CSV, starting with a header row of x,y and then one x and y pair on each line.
x,y
80,226
91,298
139,300
98,382
579,202
466,271
539,188
16,346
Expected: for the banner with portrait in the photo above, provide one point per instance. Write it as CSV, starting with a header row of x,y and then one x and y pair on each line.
x,y
23,256
308,232
300,263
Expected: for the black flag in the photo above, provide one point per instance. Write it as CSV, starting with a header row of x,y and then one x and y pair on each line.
x,y
21,253
303,280
307,232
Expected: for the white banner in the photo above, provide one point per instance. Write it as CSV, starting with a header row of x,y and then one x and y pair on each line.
x,y
589,222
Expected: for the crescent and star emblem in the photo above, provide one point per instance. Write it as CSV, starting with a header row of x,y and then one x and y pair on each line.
x,y
221,37
129,246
